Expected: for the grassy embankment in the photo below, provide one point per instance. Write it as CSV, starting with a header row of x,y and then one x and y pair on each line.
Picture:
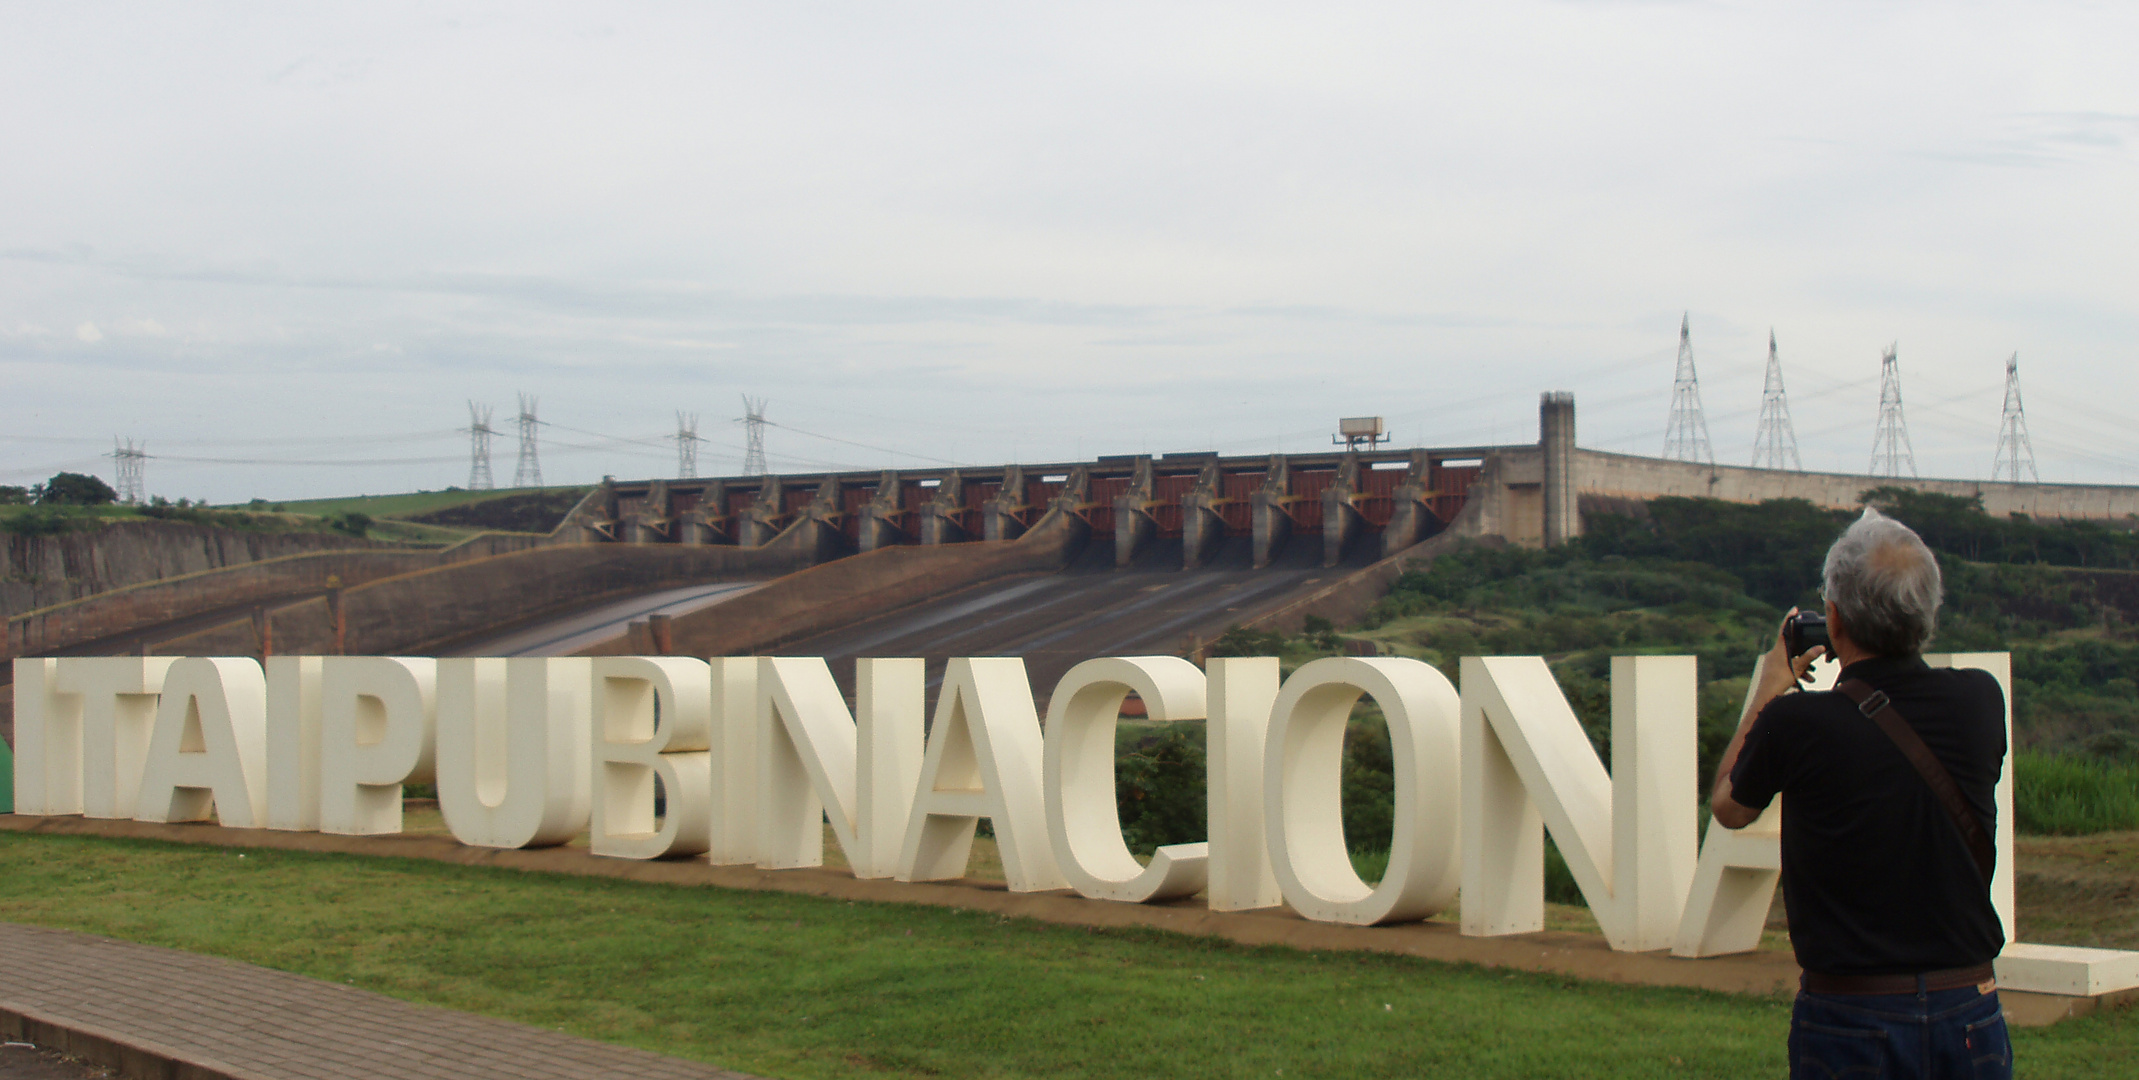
x,y
793,986
428,517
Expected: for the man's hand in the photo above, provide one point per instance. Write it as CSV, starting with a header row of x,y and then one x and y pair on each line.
x,y
1779,671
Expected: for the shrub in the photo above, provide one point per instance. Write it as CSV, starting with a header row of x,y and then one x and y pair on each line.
x,y
75,489
46,521
2069,795
1159,787
1241,641
353,523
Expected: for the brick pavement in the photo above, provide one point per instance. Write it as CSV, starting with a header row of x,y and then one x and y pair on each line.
x,y
161,1012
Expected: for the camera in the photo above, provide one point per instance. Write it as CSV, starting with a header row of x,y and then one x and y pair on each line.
x,y
1804,630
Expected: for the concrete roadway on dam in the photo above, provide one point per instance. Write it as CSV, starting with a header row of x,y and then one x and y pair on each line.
x,y
569,634
1090,609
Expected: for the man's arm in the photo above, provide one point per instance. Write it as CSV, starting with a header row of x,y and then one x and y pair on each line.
x,y
1776,674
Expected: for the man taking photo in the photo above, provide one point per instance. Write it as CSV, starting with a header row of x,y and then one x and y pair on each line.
x,y
1886,857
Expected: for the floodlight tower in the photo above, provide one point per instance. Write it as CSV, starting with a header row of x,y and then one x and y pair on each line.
x,y
528,473
1686,435
2015,453
687,441
1775,443
129,460
1891,452
754,437
479,435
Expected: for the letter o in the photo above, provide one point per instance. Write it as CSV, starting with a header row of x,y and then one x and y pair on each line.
x,y
1302,772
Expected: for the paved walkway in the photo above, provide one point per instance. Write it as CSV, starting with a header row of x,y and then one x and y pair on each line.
x,y
231,1020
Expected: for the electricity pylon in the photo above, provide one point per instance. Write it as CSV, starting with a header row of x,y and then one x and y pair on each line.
x,y
528,473
1891,452
754,437
1686,436
2015,453
479,435
1775,443
687,441
129,460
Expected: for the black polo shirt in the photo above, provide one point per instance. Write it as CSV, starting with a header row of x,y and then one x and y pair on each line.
x,y
1877,879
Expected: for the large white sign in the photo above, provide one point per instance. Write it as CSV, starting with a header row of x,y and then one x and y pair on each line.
x,y
751,757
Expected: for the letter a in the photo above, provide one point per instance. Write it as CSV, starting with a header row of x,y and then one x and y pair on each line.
x,y
983,761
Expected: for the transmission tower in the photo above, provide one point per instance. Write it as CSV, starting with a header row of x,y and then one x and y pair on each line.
x,y
2015,454
479,435
1686,436
1775,443
129,460
687,441
528,473
1891,452
754,437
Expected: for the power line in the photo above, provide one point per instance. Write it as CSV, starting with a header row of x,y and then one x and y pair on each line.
x,y
1686,434
1891,451
528,473
864,446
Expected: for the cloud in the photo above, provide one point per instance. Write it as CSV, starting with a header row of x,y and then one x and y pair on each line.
x,y
88,332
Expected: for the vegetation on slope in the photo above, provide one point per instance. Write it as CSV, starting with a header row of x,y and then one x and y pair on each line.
x,y
1712,579
72,502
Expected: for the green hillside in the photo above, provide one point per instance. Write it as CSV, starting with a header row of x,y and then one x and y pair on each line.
x,y
409,504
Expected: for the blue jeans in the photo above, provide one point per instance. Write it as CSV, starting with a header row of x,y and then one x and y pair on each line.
x,y
1943,1033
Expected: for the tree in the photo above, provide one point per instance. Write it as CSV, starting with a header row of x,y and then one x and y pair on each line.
x,y
75,489
13,496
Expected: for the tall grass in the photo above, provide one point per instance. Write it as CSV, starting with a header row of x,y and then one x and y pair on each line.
x,y
2070,795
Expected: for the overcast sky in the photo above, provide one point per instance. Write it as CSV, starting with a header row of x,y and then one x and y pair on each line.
x,y
302,237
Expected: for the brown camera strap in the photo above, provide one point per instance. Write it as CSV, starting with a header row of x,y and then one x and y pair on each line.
x,y
1875,705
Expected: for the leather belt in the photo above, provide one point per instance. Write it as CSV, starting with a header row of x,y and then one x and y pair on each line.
x,y
1981,976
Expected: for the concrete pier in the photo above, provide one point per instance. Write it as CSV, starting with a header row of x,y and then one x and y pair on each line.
x,y
1341,519
1556,445
1270,512
1133,524
1203,527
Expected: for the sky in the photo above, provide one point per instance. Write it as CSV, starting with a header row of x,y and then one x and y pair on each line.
x,y
283,247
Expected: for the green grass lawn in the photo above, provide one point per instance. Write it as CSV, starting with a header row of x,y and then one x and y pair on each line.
x,y
792,986
378,506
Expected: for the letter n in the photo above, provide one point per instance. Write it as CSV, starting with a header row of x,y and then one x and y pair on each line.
x,y
1628,836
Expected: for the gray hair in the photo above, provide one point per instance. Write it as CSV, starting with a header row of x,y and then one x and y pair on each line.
x,y
1885,585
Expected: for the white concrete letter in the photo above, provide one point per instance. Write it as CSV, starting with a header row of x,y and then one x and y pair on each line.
x,y
2000,666
1242,690
1083,819
891,707
376,718
512,762
1628,837
1302,784
1734,880
48,741
653,719
735,761
209,746
118,696
806,752
983,762
293,743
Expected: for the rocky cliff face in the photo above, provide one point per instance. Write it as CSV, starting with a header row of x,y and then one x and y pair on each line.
x,y
51,569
